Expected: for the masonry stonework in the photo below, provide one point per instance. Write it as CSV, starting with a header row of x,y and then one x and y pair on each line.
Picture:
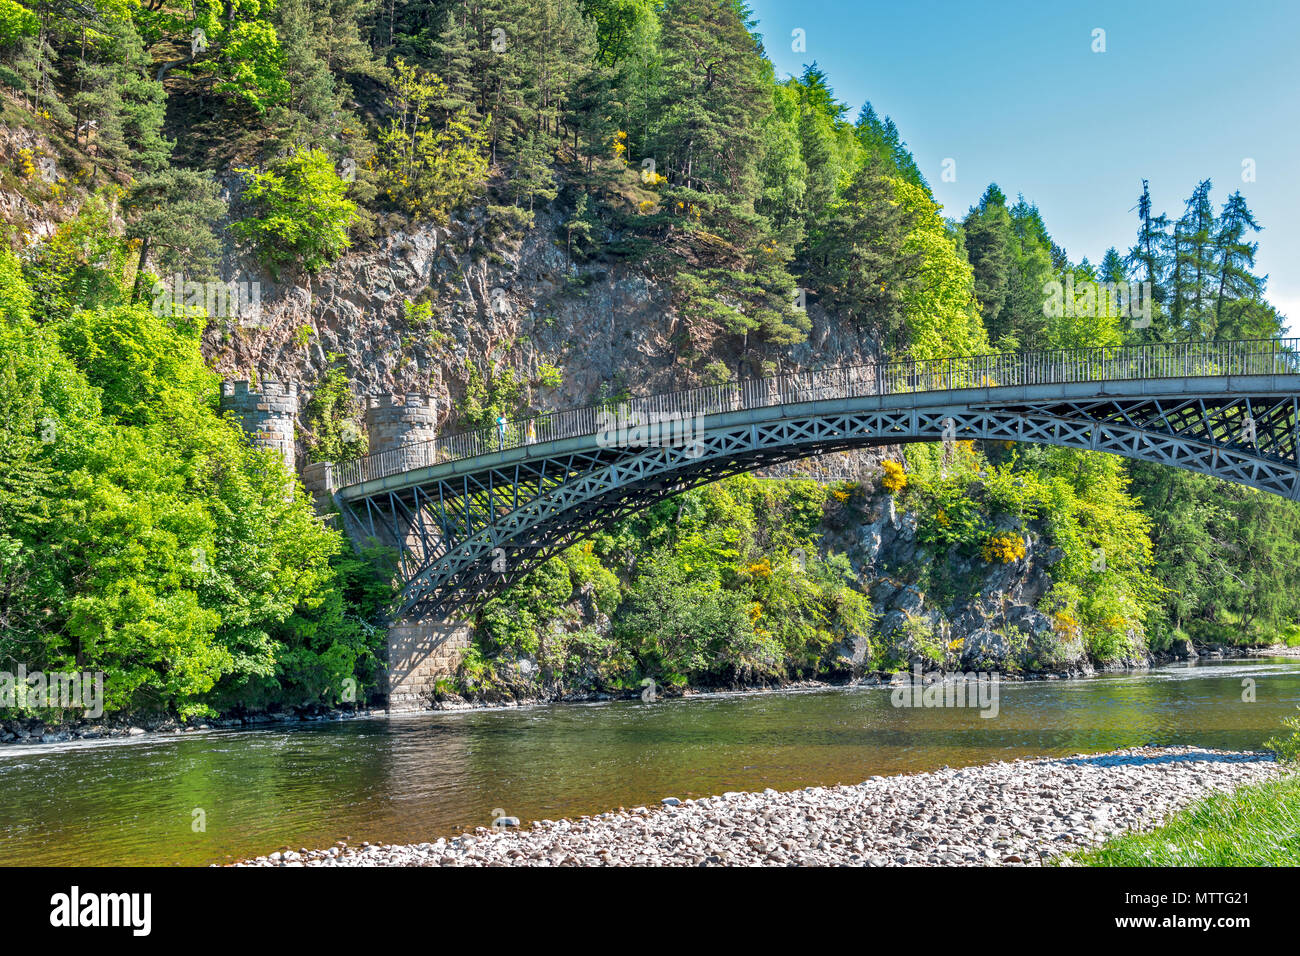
x,y
397,422
420,653
318,480
267,413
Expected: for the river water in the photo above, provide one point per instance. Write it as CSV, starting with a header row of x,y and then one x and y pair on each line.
x,y
220,795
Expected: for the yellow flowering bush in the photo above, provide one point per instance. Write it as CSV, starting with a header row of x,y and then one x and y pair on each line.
x,y
26,165
895,479
1065,624
1003,548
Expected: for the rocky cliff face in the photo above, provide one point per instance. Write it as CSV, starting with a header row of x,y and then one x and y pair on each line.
x,y
991,621
519,303
496,301
991,624
35,194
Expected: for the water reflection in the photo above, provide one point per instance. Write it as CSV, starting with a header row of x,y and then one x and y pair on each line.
x,y
415,778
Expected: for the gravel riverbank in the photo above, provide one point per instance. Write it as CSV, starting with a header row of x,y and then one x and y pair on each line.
x,y
1020,812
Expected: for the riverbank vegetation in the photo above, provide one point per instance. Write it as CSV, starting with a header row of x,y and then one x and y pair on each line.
x,y
722,585
1256,825
139,534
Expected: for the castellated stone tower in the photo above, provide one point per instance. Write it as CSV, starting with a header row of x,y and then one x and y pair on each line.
x,y
267,413
400,421
419,652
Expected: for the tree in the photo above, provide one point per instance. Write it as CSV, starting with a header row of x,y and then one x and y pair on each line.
x,y
1145,258
882,138
301,213
172,215
620,26
579,226
170,555
677,622
430,167
987,229
118,97
1191,251
242,56
1112,267
35,66
863,260
532,178
1235,258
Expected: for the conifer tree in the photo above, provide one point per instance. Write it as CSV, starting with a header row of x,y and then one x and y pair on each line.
x,y
987,229
864,262
1235,258
173,215
1146,258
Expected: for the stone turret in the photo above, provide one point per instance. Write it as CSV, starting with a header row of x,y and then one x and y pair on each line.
x,y
419,653
267,412
397,421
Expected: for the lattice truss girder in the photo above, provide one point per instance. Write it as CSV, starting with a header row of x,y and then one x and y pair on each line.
x,y
464,538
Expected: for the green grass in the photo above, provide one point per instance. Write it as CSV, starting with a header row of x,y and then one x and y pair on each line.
x,y
1257,825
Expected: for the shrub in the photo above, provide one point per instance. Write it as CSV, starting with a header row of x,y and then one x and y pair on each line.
x,y
1287,749
895,479
301,212
1003,548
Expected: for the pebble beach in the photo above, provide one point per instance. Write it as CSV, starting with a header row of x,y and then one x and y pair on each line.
x,y
1017,813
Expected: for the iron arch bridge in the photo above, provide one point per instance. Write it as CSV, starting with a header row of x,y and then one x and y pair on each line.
x,y
470,513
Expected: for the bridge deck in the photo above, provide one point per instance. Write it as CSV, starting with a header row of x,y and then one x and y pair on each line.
x,y
1160,368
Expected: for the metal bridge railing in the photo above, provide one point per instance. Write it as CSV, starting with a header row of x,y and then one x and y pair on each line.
x,y
1057,366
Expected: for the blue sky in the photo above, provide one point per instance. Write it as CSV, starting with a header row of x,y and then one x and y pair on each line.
x,y
1014,94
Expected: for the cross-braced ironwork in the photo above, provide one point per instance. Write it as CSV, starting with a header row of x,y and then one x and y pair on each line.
x,y
483,508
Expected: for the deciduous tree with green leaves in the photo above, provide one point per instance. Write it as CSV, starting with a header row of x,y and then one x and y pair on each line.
x,y
300,212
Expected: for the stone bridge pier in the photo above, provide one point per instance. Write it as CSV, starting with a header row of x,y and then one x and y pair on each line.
x,y
266,411
421,649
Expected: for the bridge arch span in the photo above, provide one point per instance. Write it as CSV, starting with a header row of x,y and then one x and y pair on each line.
x,y
468,526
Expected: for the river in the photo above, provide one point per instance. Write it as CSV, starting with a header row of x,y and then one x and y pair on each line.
x,y
214,796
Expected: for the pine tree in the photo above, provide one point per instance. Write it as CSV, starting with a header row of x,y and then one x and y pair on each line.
x,y
120,107
864,264
1145,257
594,111
1022,316
579,228
1235,257
173,214
987,229
450,56
35,70
1112,267
557,49
1192,247
531,177
313,115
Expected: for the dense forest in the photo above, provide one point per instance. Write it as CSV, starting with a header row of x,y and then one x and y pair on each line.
x,y
141,535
